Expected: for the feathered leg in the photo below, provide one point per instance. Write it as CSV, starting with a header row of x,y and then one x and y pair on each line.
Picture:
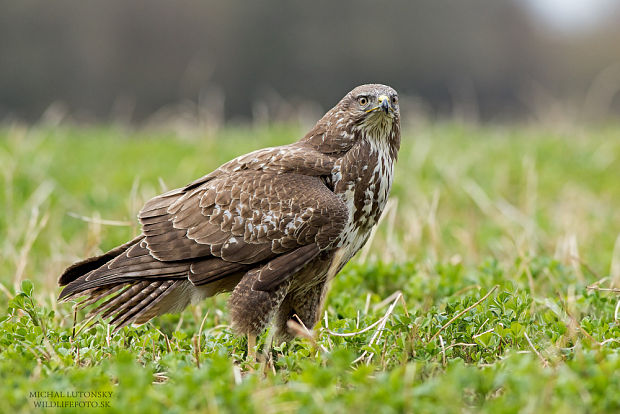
x,y
252,310
306,304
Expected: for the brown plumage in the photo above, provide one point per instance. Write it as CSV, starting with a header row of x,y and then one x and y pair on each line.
x,y
272,226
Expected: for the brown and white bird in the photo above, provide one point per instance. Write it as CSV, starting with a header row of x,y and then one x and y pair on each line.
x,y
272,226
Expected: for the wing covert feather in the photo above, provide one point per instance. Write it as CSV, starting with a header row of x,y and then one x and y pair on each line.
x,y
245,217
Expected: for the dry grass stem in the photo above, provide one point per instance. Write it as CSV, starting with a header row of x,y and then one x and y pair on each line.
x,y
367,304
481,333
387,300
35,225
6,291
202,324
375,337
615,290
347,334
97,220
160,377
196,351
461,313
460,344
542,359
614,270
393,298
237,374
443,351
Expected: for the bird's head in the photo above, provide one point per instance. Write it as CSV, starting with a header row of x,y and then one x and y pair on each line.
x,y
367,112
373,109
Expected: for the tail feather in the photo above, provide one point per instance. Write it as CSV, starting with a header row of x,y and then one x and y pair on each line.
x,y
138,302
143,303
129,286
95,294
123,298
80,268
132,282
123,266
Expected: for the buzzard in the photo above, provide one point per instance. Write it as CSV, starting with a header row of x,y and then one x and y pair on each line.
x,y
272,226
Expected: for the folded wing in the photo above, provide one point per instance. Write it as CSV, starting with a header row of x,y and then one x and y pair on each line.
x,y
228,223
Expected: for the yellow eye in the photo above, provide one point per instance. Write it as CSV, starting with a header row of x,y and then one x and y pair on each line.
x,y
394,100
362,100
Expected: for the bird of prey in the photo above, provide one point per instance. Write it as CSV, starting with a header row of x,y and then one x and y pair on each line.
x,y
272,226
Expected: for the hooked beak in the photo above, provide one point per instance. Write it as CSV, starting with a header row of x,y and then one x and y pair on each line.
x,y
383,103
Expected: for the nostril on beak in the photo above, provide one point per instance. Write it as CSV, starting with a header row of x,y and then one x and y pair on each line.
x,y
384,104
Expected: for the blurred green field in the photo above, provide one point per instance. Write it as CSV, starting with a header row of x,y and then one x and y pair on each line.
x,y
503,243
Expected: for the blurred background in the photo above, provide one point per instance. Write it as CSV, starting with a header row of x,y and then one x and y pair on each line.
x,y
211,62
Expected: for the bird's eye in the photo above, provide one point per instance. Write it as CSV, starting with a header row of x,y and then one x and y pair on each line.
x,y
362,100
394,100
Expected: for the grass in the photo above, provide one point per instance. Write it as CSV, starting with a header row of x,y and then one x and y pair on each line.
x,y
490,286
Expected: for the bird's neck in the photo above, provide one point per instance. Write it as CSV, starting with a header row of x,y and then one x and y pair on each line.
x,y
363,177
